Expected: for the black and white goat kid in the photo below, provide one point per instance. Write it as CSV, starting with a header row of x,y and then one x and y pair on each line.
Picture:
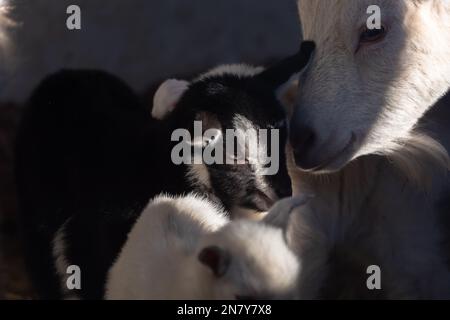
x,y
89,158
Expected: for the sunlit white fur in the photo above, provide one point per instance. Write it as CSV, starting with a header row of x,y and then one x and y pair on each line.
x,y
232,69
5,25
167,96
376,91
383,207
4,22
160,257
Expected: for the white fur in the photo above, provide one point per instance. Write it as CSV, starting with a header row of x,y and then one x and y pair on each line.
x,y
7,60
379,91
167,96
171,90
242,70
381,209
5,23
160,257
253,149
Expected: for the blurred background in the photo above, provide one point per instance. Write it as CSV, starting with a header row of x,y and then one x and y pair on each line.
x,y
141,41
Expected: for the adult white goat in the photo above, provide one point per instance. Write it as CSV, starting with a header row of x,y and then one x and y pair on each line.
x,y
359,144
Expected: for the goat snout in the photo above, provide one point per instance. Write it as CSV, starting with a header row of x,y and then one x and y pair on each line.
x,y
319,151
303,139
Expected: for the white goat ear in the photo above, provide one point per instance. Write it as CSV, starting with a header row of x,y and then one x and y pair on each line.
x,y
280,213
167,96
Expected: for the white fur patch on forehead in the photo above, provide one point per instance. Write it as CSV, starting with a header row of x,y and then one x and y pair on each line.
x,y
314,13
240,70
247,138
252,148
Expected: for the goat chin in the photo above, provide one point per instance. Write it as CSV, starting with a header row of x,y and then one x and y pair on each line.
x,y
417,157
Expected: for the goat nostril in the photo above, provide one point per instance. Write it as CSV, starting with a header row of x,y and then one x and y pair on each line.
x,y
302,139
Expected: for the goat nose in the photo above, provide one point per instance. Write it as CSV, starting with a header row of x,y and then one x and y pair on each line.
x,y
302,139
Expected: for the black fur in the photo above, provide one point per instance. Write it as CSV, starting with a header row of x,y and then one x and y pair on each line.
x,y
224,97
81,153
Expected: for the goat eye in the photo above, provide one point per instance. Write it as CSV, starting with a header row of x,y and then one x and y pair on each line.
x,y
372,35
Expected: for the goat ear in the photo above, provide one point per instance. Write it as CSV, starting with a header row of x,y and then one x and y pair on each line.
x,y
215,258
288,69
167,96
287,94
279,215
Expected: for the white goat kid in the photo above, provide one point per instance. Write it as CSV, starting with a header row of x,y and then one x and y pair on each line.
x,y
358,108
186,248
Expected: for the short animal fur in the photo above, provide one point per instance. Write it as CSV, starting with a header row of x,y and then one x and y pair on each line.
x,y
187,248
363,143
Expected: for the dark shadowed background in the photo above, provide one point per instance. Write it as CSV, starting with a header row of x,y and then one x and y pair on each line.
x,y
141,41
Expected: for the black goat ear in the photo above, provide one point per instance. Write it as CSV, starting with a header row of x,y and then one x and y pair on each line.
x,y
217,259
280,73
